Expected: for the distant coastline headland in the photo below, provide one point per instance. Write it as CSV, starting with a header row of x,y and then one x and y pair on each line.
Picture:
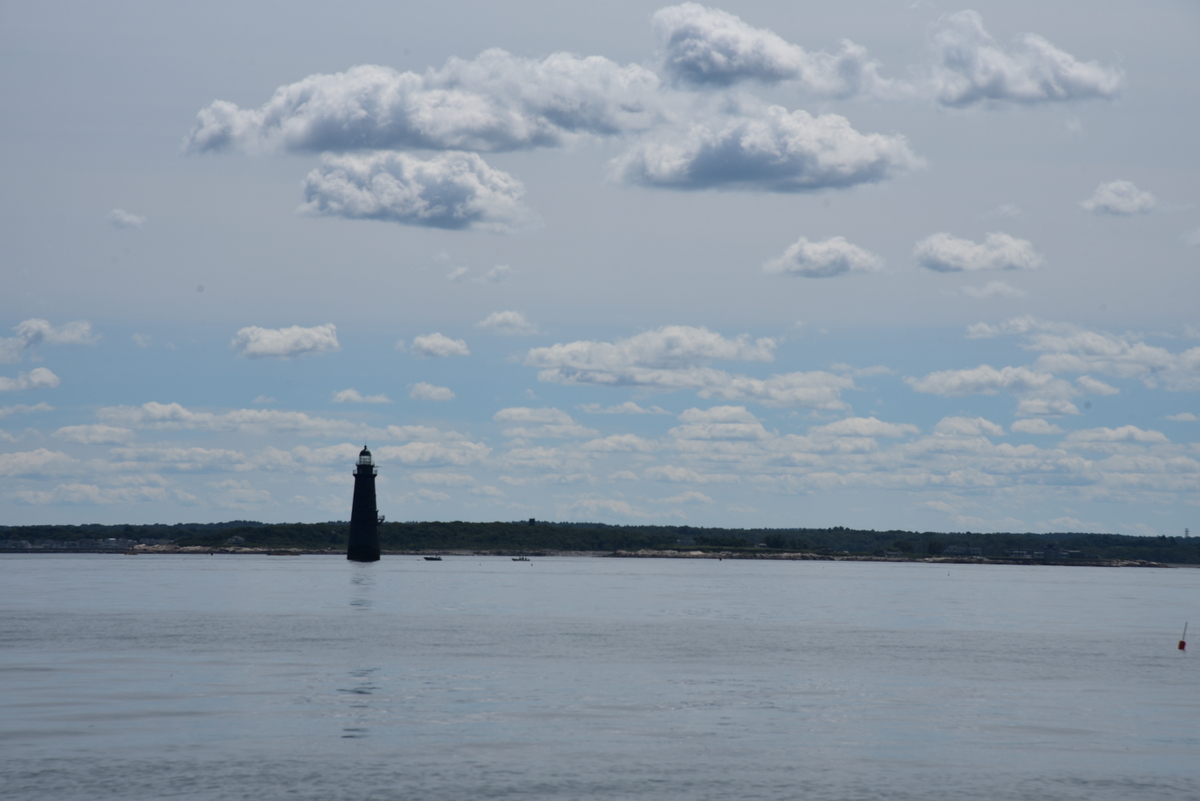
x,y
544,538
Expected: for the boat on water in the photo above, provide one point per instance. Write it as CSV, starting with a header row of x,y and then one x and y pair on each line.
x,y
433,558
520,558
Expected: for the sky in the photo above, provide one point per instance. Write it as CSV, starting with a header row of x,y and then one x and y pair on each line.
x,y
892,265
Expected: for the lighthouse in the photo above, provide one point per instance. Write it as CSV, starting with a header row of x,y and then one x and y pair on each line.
x,y
364,539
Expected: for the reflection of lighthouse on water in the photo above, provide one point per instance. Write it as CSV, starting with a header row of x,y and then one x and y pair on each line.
x,y
364,517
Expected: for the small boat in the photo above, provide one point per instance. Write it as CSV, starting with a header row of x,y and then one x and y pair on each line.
x,y
520,558
433,558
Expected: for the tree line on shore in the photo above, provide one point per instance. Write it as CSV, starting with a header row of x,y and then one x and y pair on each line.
x,y
533,536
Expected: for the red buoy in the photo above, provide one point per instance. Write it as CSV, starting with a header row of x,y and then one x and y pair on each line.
x,y
1183,640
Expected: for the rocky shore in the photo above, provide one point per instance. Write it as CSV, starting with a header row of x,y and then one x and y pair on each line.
x,y
824,557
133,549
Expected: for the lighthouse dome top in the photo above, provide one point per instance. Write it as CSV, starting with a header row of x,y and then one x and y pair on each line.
x,y
364,456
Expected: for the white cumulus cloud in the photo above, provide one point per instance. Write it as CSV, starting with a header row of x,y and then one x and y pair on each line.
x,y
1120,434
449,190
967,427
593,506
973,68
119,218
993,289
456,453
676,357
709,47
982,380
423,391
493,102
620,443
823,259
188,460
177,416
37,378
36,331
674,474
496,275
431,495
1051,406
1068,348
1094,387
982,331
91,494
544,422
510,323
444,479
1035,425
23,408
691,496
815,390
33,463
946,253
864,427
775,151
94,434
720,423
253,342
1038,393
437,344
1119,197
354,396
33,332
628,407
669,347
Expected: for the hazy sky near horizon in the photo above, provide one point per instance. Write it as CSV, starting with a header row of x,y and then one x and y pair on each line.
x,y
913,265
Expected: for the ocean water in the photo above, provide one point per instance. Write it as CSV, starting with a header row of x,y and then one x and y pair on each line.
x,y
254,677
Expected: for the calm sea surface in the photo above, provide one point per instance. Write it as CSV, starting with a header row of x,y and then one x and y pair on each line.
x,y
244,677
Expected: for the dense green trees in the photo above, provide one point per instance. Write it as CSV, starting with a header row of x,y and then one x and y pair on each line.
x,y
544,536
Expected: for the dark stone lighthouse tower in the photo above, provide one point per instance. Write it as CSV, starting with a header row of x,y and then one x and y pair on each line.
x,y
364,539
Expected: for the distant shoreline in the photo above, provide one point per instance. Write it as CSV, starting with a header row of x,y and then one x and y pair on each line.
x,y
537,537
619,554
